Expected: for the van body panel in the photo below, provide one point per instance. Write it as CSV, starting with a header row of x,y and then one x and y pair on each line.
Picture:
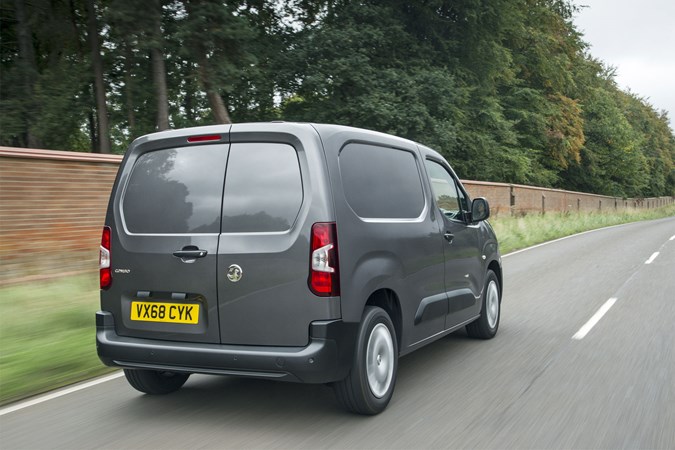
x,y
404,255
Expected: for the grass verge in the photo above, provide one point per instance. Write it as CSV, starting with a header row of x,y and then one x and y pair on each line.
x,y
515,233
47,335
47,328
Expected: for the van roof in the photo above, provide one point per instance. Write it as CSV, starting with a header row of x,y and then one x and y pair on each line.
x,y
325,131
322,128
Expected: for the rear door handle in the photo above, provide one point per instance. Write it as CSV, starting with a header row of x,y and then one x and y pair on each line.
x,y
190,253
449,237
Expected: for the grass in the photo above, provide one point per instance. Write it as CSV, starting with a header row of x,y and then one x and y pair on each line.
x,y
515,233
47,328
47,335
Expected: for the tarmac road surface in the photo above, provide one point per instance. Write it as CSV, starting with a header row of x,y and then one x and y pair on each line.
x,y
559,374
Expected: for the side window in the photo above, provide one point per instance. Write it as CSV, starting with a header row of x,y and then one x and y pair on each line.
x,y
445,190
176,191
381,182
263,188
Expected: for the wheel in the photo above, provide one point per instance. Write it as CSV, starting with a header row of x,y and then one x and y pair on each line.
x,y
155,382
485,327
370,383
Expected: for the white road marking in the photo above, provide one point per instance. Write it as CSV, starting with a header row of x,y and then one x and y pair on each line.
x,y
652,258
583,331
672,238
59,393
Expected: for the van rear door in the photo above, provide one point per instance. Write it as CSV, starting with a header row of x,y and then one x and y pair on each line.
x,y
165,241
275,189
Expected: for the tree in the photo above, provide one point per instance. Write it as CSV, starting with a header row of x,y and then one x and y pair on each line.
x,y
99,83
362,67
142,47
504,88
654,140
158,66
215,40
50,107
27,66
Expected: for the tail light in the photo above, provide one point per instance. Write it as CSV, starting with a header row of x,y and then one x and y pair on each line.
x,y
324,273
104,259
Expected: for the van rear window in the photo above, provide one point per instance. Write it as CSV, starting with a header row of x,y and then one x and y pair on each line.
x,y
381,182
263,188
176,191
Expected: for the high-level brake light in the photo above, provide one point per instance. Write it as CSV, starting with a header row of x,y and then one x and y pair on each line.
x,y
324,276
206,138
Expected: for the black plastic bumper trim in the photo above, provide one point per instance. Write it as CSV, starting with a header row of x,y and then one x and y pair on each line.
x,y
327,358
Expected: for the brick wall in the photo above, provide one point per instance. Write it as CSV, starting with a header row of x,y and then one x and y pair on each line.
x,y
519,199
52,207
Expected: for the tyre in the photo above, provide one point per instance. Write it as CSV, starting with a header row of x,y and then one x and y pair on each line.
x,y
155,382
370,383
485,327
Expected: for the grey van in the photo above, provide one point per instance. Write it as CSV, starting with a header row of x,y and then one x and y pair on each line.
x,y
287,251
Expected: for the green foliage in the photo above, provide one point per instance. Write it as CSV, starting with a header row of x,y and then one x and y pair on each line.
x,y
612,161
504,88
46,335
60,94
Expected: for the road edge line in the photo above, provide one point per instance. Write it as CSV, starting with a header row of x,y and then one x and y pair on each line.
x,y
566,237
59,393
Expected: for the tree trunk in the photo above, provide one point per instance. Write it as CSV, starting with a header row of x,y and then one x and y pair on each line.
x,y
92,133
159,70
188,105
28,67
75,28
159,79
128,89
218,108
97,65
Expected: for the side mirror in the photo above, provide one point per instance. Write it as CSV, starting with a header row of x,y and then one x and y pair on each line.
x,y
480,209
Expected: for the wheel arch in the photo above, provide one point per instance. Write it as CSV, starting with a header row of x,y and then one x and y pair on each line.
x,y
389,301
497,269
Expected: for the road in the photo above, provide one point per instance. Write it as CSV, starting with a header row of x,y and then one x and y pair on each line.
x,y
537,384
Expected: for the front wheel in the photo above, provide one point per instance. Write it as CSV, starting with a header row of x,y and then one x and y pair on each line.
x,y
485,327
155,382
370,383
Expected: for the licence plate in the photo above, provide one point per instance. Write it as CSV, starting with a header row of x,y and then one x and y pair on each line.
x,y
165,312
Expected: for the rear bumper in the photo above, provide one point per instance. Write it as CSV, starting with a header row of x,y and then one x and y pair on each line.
x,y
327,358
